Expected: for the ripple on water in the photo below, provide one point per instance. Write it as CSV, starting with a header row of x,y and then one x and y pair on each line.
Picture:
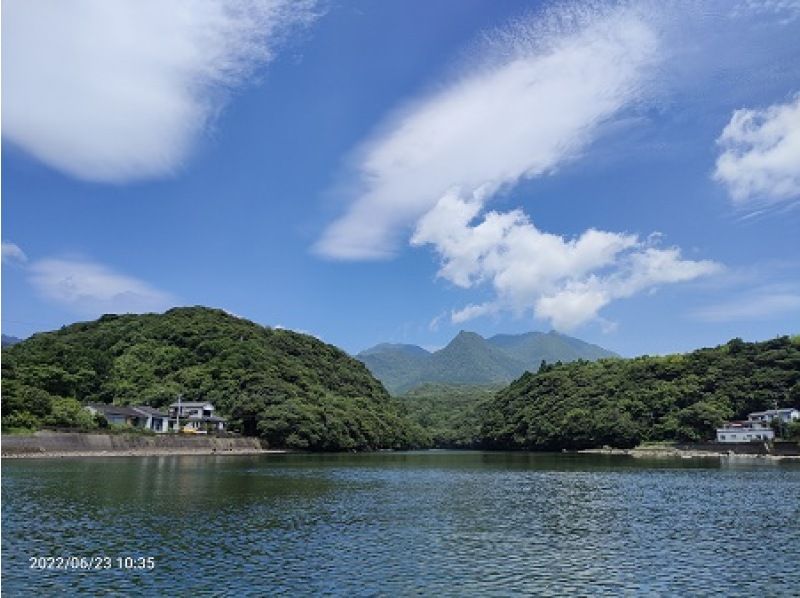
x,y
435,523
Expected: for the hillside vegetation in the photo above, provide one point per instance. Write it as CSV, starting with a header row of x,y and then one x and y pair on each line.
x,y
622,402
471,359
290,389
450,414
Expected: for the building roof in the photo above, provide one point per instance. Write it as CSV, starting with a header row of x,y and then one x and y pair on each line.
x,y
773,411
193,404
119,410
743,429
207,418
151,411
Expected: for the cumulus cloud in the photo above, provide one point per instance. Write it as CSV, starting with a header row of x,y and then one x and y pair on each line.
x,y
760,159
13,254
537,102
115,91
92,289
564,281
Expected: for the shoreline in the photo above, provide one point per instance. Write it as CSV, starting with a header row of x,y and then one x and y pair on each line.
x,y
675,452
47,444
60,445
145,453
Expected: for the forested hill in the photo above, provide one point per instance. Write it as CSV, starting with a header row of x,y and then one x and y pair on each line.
x,y
471,359
622,402
291,389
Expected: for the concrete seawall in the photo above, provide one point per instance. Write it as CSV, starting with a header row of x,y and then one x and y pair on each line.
x,y
66,444
777,450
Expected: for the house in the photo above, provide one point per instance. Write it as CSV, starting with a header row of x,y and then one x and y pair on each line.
x,y
785,416
117,415
757,427
195,416
146,418
155,420
745,431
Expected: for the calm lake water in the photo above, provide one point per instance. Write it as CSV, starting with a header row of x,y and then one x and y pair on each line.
x,y
428,523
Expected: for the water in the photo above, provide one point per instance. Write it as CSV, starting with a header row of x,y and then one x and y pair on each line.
x,y
435,523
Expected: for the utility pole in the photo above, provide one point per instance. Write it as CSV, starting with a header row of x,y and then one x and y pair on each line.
x,y
178,415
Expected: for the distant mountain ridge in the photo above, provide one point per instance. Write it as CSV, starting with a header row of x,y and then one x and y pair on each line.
x,y
471,359
10,341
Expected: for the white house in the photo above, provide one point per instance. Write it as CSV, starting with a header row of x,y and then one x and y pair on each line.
x,y
195,416
154,419
758,427
785,416
745,432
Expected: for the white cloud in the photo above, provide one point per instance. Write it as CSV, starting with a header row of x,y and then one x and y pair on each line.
x,y
536,104
761,304
436,321
91,289
564,281
13,254
760,159
119,90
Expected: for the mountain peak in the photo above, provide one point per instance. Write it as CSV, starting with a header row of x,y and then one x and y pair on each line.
x,y
471,359
466,335
395,347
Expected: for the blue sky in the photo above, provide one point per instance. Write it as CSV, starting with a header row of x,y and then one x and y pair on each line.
x,y
385,171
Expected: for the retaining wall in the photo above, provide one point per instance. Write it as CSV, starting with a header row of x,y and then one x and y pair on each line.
x,y
749,448
44,443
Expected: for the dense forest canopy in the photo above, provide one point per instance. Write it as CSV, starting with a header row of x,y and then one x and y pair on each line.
x,y
291,389
295,391
623,402
450,414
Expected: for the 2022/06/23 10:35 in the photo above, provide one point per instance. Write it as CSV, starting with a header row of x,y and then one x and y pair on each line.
x,y
91,562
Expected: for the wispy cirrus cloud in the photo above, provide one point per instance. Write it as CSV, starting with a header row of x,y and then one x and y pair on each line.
x,y
760,159
551,84
762,303
119,90
91,289
537,103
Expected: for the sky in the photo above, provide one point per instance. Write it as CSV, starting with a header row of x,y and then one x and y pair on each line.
x,y
623,172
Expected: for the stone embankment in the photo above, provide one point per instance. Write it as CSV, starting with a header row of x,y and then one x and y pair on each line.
x,y
75,444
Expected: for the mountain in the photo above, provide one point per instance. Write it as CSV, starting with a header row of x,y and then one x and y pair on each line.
x,y
471,359
290,389
394,364
533,347
9,341
396,348
623,402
